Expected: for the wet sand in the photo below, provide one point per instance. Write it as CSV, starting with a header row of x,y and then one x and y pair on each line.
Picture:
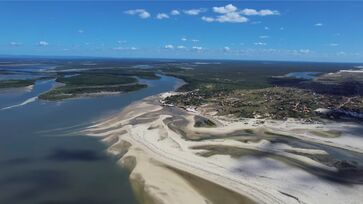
x,y
249,161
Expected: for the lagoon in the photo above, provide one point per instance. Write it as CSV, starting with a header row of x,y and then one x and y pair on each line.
x,y
44,160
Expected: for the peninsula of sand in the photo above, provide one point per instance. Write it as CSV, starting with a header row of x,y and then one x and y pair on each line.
x,y
177,156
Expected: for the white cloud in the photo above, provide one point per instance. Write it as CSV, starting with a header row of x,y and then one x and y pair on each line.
x,y
232,17
264,36
183,39
43,43
318,24
15,44
231,14
197,48
169,46
162,16
263,12
260,43
225,9
194,12
208,19
195,40
226,48
175,12
266,28
304,51
125,48
80,31
181,47
333,44
142,13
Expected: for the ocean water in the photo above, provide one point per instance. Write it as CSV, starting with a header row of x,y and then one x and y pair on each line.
x,y
303,75
43,160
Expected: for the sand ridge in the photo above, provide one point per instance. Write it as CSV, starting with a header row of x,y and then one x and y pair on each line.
x,y
155,142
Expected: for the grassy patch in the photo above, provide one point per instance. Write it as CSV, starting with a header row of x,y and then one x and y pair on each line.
x,y
95,79
90,84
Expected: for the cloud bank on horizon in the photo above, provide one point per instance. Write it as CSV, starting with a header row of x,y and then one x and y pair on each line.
x,y
210,30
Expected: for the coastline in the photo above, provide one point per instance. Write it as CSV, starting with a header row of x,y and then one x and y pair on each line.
x,y
162,158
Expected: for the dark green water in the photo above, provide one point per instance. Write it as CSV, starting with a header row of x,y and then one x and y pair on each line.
x,y
39,166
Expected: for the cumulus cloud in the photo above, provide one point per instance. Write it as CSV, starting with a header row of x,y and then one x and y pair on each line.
x,y
43,43
169,46
162,16
225,9
232,17
142,13
263,12
231,14
175,12
208,19
181,47
194,12
183,39
318,24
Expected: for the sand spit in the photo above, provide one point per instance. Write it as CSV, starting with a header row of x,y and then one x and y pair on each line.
x,y
172,161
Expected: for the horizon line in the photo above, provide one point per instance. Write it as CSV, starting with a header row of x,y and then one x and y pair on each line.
x,y
161,58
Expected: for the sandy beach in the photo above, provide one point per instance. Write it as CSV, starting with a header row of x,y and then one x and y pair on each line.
x,y
171,160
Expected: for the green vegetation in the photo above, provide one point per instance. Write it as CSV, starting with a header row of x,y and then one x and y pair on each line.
x,y
16,83
224,76
275,103
126,72
95,80
264,90
84,84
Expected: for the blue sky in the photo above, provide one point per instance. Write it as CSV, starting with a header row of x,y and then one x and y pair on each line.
x,y
299,31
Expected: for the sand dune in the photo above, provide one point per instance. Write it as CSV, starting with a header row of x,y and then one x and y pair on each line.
x,y
171,161
30,100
